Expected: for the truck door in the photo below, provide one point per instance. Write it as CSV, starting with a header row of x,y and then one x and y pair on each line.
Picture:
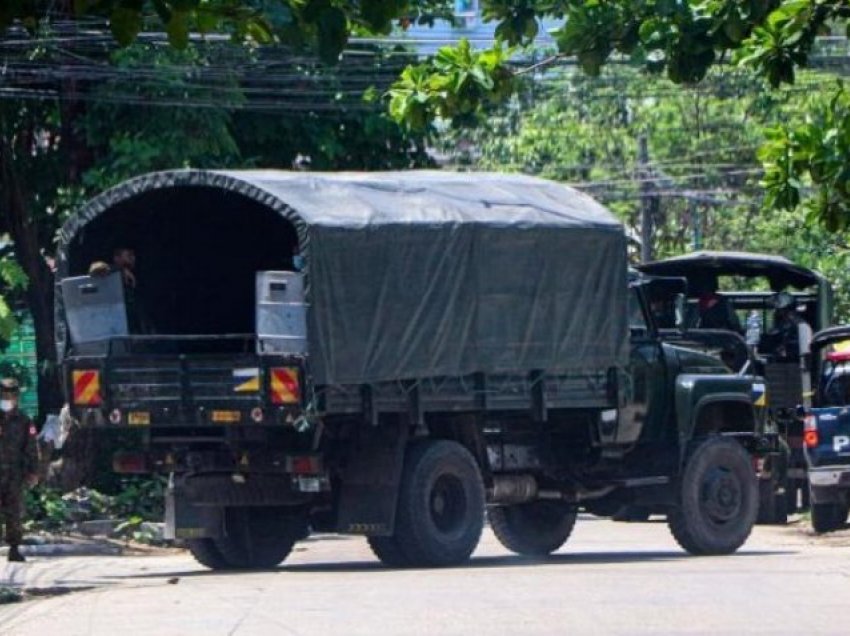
x,y
643,401
281,313
94,311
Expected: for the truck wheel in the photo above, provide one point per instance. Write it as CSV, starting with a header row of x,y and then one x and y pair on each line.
x,y
718,499
532,529
440,505
207,554
258,538
388,551
827,517
772,504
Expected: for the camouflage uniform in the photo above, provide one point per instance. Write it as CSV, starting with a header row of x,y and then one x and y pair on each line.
x,y
18,460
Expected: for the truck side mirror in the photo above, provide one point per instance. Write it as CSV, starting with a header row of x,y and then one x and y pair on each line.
x,y
680,307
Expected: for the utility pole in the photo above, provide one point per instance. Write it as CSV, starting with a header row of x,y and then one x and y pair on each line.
x,y
647,200
696,219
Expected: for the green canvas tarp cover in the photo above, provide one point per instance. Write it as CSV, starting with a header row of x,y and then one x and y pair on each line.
x,y
429,273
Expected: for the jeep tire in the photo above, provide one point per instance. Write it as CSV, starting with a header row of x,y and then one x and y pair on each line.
x,y
828,517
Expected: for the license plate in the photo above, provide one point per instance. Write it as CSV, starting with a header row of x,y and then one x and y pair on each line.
x,y
139,418
309,484
226,417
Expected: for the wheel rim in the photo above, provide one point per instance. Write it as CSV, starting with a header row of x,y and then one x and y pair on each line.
x,y
447,504
721,495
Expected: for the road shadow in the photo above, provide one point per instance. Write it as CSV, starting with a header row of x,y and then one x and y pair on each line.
x,y
476,563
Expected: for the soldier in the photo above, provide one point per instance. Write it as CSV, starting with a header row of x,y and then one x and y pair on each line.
x,y
783,340
18,463
124,262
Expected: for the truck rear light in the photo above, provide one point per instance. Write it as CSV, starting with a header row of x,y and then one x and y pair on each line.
x,y
285,387
129,463
86,387
257,415
810,431
810,439
115,416
304,464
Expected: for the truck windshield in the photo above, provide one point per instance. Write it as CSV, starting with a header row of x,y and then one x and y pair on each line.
x,y
637,319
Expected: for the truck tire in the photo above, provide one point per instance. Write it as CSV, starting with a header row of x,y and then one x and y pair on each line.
x,y
534,529
258,538
718,499
388,551
440,512
207,554
827,517
772,504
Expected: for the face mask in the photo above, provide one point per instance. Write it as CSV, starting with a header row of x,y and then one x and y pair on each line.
x,y
6,405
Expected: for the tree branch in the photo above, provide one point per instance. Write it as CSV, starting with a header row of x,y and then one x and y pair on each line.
x,y
541,64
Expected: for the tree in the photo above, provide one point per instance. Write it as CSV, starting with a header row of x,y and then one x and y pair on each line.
x,y
685,40
703,144
31,162
321,25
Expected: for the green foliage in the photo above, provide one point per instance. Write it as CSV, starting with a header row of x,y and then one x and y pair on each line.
x,y
132,138
140,499
811,153
456,84
13,280
323,25
12,276
683,39
45,509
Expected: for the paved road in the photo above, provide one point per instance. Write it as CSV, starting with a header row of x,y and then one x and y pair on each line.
x,y
611,578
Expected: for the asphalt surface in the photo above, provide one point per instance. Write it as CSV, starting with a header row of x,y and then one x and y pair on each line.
x,y
611,578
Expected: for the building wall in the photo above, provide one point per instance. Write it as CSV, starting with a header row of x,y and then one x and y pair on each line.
x,y
21,352
470,25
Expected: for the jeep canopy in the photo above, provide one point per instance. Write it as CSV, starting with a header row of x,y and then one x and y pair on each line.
x,y
409,274
778,270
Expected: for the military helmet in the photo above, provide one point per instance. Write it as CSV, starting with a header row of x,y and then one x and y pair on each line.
x,y
10,385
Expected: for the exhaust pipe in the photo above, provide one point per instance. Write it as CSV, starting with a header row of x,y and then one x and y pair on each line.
x,y
513,489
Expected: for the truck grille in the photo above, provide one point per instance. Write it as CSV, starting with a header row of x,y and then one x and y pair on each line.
x,y
145,381
186,383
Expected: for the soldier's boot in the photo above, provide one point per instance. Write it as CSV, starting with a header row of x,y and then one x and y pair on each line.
x,y
15,555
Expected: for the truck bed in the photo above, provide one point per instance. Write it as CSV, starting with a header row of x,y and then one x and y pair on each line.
x,y
180,381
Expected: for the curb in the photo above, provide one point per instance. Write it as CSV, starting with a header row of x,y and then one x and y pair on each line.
x,y
67,549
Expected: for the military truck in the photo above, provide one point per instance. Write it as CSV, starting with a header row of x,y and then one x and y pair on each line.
x,y
752,284
387,354
827,430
